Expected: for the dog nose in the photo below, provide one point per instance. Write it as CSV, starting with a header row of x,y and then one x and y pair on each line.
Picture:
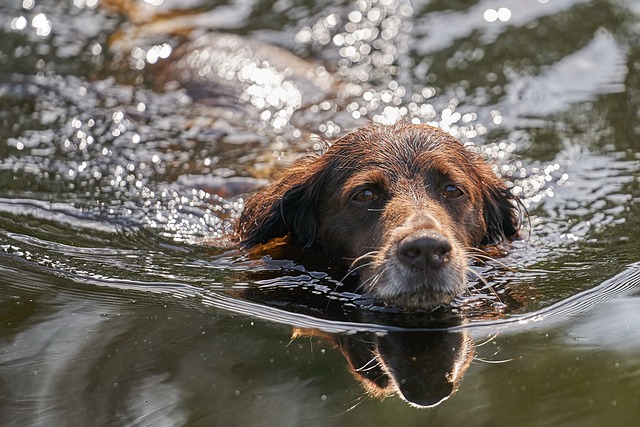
x,y
424,250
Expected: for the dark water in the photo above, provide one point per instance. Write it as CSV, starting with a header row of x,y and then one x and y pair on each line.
x,y
130,132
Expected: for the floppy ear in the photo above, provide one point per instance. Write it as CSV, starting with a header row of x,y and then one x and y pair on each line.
x,y
288,206
501,213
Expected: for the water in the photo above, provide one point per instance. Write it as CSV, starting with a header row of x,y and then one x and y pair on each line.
x,y
129,135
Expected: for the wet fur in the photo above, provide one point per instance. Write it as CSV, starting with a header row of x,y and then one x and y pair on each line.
x,y
414,172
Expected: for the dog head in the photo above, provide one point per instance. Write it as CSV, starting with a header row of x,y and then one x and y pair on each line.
x,y
402,205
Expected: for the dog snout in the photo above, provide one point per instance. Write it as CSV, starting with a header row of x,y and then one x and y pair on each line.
x,y
427,251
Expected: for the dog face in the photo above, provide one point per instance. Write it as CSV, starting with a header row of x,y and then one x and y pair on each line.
x,y
401,205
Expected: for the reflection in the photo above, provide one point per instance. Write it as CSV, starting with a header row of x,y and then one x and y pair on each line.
x,y
41,24
599,67
178,49
503,14
422,368
438,31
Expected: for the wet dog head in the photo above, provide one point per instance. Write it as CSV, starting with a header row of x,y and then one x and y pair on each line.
x,y
401,205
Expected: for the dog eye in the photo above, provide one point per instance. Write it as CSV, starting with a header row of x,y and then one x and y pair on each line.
x,y
452,192
365,196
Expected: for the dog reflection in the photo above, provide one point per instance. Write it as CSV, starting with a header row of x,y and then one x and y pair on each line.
x,y
423,368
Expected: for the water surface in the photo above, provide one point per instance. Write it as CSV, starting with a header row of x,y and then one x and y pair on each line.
x,y
129,135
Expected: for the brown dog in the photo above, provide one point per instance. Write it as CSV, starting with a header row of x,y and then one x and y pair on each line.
x,y
402,205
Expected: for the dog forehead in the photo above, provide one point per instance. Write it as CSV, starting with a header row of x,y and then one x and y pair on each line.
x,y
401,161
418,136
395,145
387,154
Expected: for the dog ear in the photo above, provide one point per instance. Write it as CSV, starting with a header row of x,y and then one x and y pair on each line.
x,y
288,206
501,214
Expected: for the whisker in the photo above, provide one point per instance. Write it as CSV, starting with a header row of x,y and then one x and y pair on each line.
x,y
369,254
486,341
371,364
493,362
353,270
375,279
477,275
363,284
359,401
484,282
480,255
370,282
493,355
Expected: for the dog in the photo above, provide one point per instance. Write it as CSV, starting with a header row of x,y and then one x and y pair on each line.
x,y
404,206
